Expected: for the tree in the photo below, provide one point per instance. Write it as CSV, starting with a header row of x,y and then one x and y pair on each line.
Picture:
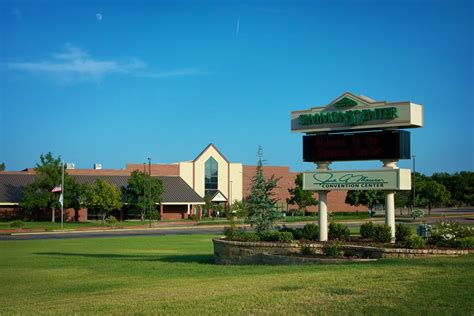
x,y
367,198
137,192
430,192
459,184
38,197
102,197
2,166
299,196
262,207
403,199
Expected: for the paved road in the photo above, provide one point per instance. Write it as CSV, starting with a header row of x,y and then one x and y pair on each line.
x,y
189,230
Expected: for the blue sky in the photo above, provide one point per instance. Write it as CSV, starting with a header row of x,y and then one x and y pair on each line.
x,y
119,81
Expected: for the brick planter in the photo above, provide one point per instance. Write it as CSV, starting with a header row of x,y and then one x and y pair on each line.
x,y
238,252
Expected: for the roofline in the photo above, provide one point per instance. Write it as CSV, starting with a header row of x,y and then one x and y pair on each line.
x,y
209,146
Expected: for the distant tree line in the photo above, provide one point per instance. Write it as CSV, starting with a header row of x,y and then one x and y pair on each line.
x,y
100,197
438,190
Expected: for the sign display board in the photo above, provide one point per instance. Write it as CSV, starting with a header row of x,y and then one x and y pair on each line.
x,y
383,179
359,146
352,113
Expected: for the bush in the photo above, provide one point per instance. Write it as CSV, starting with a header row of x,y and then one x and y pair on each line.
x,y
402,232
382,233
339,231
297,233
310,232
414,242
450,234
416,213
367,230
17,224
298,213
111,220
242,235
269,235
464,243
306,250
332,250
193,217
276,236
285,237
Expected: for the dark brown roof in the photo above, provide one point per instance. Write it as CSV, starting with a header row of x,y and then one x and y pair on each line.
x,y
176,190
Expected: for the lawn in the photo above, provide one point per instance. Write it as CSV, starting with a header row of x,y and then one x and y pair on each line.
x,y
176,275
71,225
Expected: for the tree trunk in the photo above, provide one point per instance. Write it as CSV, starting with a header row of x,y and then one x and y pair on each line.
x,y
53,215
121,214
76,215
429,209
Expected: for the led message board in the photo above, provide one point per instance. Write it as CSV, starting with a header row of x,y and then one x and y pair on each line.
x,y
384,145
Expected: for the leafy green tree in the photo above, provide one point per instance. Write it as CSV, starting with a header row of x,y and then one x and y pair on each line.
x,y
208,206
430,193
38,197
367,198
137,192
102,197
403,199
459,184
299,196
240,209
2,166
262,207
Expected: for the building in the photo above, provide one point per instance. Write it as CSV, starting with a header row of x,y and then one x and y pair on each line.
x,y
185,184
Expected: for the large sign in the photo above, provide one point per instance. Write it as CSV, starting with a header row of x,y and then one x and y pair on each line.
x,y
350,112
383,179
359,146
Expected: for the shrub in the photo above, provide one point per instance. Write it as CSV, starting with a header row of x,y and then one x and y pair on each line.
x,y
298,213
339,231
414,242
416,213
382,233
310,232
111,220
297,233
285,237
193,217
230,232
332,250
306,250
464,243
448,233
17,224
402,232
270,235
242,235
367,230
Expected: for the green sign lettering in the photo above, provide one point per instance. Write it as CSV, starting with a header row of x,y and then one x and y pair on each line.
x,y
350,117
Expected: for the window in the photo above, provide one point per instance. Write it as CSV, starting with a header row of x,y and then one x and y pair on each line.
x,y
211,175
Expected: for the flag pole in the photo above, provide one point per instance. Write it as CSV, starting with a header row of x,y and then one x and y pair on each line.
x,y
62,200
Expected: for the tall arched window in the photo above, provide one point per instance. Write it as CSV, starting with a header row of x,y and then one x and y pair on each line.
x,y
211,175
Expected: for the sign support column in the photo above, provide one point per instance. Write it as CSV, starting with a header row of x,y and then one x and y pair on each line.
x,y
390,202
323,205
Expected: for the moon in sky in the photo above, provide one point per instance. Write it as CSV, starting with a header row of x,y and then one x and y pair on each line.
x,y
98,16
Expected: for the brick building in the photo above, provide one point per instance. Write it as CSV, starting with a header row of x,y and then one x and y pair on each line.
x,y
185,184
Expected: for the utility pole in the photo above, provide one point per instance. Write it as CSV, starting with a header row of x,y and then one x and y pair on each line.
x,y
144,191
149,189
62,197
414,181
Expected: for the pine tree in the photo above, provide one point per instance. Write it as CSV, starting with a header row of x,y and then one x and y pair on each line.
x,y
262,207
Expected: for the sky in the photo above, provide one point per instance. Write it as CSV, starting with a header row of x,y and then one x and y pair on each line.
x,y
116,82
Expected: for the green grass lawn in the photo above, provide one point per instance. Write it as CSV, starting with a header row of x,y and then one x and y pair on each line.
x,y
68,225
176,275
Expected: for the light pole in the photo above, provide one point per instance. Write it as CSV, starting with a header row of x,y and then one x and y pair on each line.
x,y
149,189
414,180
144,192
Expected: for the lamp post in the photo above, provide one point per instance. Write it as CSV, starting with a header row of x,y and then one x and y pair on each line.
x,y
149,189
144,192
414,180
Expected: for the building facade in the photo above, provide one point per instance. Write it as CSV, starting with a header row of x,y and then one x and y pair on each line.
x,y
186,184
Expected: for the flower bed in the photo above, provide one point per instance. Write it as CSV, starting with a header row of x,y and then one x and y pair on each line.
x,y
240,252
